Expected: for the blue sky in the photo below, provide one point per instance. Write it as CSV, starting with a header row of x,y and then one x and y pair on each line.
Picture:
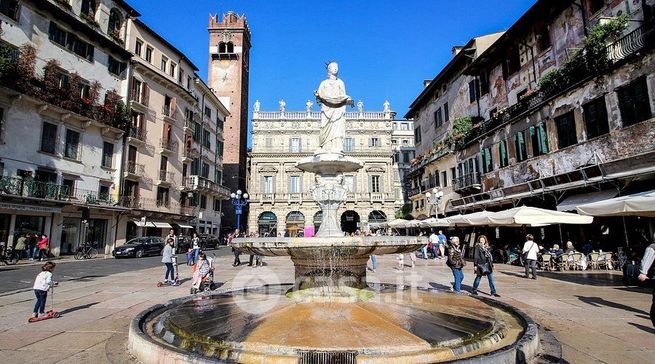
x,y
385,48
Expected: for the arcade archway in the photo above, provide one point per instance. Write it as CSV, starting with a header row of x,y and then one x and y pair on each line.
x,y
295,223
349,221
267,224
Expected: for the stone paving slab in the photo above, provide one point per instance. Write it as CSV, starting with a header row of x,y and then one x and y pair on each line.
x,y
596,322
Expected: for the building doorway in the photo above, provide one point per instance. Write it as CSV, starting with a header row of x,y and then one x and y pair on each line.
x,y
349,221
295,224
267,224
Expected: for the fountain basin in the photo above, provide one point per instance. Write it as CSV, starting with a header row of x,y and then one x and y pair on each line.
x,y
399,325
330,261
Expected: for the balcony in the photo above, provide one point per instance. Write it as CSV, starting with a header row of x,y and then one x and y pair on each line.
x,y
139,101
467,183
133,202
134,170
267,198
90,197
136,136
168,146
166,177
205,185
17,186
631,43
295,197
189,127
168,112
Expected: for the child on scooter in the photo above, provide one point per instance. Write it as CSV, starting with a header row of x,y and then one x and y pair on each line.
x,y
42,284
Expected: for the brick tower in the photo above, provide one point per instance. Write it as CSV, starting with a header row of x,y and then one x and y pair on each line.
x,y
228,72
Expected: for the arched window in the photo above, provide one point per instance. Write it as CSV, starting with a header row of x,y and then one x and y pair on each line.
x,y
295,223
115,22
230,47
222,47
267,224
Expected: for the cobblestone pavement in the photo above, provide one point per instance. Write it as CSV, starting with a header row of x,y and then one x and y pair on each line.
x,y
595,317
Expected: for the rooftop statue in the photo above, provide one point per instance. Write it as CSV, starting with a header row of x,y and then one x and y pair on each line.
x,y
332,96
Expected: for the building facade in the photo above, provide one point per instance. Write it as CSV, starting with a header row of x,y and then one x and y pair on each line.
x,y
280,201
228,76
444,103
402,144
62,120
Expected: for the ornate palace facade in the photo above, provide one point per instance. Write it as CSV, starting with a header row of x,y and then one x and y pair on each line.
x,y
280,199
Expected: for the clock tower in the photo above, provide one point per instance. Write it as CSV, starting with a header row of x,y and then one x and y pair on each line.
x,y
228,74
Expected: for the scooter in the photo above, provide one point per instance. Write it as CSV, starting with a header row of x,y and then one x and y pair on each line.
x,y
176,281
51,313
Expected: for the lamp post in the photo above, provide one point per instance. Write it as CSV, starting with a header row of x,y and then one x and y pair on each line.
x,y
239,200
434,198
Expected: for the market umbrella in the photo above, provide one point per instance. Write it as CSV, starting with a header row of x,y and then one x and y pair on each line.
x,y
533,216
397,223
435,222
638,204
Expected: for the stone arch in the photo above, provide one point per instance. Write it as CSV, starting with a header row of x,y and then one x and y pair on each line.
x,y
350,221
267,224
377,217
295,223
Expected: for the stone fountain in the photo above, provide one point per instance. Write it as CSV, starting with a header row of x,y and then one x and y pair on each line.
x,y
330,314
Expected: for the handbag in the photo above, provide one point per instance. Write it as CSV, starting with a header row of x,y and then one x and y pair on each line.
x,y
484,269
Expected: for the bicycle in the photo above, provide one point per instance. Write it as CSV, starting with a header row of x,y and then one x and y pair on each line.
x,y
86,251
8,256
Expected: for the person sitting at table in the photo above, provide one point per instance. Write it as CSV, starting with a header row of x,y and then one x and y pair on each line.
x,y
569,247
556,251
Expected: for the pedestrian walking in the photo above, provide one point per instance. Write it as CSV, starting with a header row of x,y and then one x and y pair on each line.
x,y
21,244
646,271
432,245
167,259
483,263
43,247
42,284
374,263
171,235
32,239
441,244
456,262
196,247
235,251
530,249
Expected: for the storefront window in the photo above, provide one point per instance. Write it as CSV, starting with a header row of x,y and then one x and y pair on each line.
x,y
4,229
96,232
29,224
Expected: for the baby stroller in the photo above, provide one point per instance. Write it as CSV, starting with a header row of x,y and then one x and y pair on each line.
x,y
203,276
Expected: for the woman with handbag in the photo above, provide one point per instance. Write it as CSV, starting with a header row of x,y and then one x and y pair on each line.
x,y
483,263
456,262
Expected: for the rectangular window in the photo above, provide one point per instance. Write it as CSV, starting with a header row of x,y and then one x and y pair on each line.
x,y
294,184
205,170
85,90
163,163
49,138
172,69
103,192
446,112
595,118
487,161
79,47
10,8
474,90
348,144
566,135
375,142
197,132
294,145
116,67
164,63
203,201
206,138
220,147
162,196
543,38
208,112
596,5
217,204
137,47
417,135
69,186
444,179
149,54
72,144
349,183
56,34
634,103
484,82
107,155
376,184
438,119
180,76
519,145
539,139
268,184
188,82
503,154
218,176
513,63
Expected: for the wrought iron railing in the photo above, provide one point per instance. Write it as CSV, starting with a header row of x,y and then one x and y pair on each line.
x,y
166,176
168,111
630,43
30,188
466,181
137,133
168,145
139,97
135,168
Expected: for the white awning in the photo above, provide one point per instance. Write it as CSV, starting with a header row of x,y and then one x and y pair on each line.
x,y
184,226
140,223
162,225
570,203
639,204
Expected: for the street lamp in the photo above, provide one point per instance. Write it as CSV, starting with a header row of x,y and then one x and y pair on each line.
x,y
239,200
434,198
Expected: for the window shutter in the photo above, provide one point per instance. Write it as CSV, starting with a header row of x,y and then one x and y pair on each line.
x,y
370,183
146,93
642,103
381,184
262,184
173,106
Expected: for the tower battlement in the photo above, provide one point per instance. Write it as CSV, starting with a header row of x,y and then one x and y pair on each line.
x,y
228,20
